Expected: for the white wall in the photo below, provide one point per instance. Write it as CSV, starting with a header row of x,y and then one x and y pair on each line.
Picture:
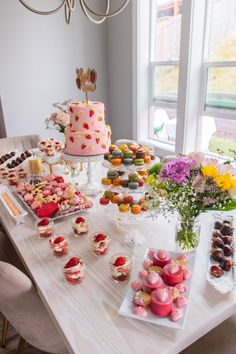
x,y
38,57
119,35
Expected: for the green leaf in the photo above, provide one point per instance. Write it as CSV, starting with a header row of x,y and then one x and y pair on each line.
x,y
155,169
227,162
228,207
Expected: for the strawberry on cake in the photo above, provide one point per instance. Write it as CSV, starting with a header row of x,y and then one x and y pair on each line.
x,y
45,227
87,134
59,244
74,270
79,226
100,243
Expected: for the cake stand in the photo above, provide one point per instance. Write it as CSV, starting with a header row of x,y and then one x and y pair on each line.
x,y
90,187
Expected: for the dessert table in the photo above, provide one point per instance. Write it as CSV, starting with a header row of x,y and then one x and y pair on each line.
x,y
86,314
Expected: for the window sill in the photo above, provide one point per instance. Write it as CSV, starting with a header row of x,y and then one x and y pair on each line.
x,y
161,149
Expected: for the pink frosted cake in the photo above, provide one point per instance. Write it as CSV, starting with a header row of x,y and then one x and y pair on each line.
x,y
87,134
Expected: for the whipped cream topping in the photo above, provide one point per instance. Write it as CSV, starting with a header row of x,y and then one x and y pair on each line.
x,y
81,227
79,268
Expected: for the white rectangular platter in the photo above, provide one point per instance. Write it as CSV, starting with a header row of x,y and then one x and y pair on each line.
x,y
127,306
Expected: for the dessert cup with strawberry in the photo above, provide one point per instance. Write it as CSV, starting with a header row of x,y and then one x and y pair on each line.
x,y
59,244
74,270
45,227
79,226
100,243
121,266
161,302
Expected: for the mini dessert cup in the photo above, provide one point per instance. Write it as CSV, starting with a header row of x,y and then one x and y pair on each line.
x,y
120,266
79,226
74,270
60,245
100,243
45,227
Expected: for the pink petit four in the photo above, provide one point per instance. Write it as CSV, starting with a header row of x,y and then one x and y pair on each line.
x,y
136,285
140,311
121,266
161,258
176,315
74,270
187,274
45,227
142,274
79,226
161,303
100,243
60,245
181,301
147,263
152,282
181,287
141,299
172,274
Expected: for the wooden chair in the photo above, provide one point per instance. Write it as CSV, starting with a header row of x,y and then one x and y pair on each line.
x,y
22,306
22,143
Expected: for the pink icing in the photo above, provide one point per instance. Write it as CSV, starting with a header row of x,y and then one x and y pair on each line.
x,y
183,257
181,301
142,274
151,253
176,315
140,311
147,263
162,254
153,278
173,268
187,274
136,285
181,287
162,295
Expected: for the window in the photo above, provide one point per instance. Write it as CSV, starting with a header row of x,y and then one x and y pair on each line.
x,y
191,89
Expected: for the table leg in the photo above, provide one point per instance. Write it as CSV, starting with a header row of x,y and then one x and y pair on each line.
x,y
5,324
21,346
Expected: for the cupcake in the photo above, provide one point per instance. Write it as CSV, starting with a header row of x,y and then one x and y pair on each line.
x,y
152,282
74,270
120,266
100,243
79,226
161,303
45,227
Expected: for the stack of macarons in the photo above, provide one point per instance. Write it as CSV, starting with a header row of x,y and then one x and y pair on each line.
x,y
129,155
133,181
125,203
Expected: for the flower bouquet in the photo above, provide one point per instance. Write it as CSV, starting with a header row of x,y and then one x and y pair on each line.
x,y
191,185
60,119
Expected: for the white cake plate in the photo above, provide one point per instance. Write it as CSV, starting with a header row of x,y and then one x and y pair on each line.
x,y
91,187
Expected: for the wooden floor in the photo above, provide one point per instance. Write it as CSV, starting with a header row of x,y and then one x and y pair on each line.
x,y
222,340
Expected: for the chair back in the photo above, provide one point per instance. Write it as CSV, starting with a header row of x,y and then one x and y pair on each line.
x,y
22,143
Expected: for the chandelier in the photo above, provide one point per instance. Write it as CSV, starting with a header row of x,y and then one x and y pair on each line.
x,y
69,7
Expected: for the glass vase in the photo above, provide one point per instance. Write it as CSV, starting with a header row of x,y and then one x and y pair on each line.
x,y
187,233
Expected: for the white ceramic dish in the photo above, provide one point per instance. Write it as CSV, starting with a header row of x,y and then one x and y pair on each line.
x,y
127,306
19,218
227,282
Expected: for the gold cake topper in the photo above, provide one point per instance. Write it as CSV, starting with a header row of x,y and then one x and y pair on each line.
x,y
86,81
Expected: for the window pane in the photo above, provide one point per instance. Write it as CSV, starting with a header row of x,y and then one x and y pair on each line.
x,y
163,124
221,88
166,83
218,135
223,31
167,29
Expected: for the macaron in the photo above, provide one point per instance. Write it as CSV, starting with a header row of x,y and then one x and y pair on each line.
x,y
142,172
108,194
116,162
134,147
134,177
116,182
110,157
146,149
139,162
147,159
136,209
135,202
104,201
141,182
106,155
127,153
152,155
115,199
106,181
133,185
140,153
117,153
124,183
128,199
128,161
123,147
112,174
124,208
112,147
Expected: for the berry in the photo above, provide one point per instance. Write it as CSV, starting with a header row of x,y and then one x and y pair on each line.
x,y
217,242
226,230
72,139
218,225
99,237
120,261
216,271
226,264
58,239
85,126
43,222
74,261
218,254
227,240
79,220
59,179
228,250
88,136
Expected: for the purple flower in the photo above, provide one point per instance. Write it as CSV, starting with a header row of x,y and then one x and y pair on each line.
x,y
177,171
